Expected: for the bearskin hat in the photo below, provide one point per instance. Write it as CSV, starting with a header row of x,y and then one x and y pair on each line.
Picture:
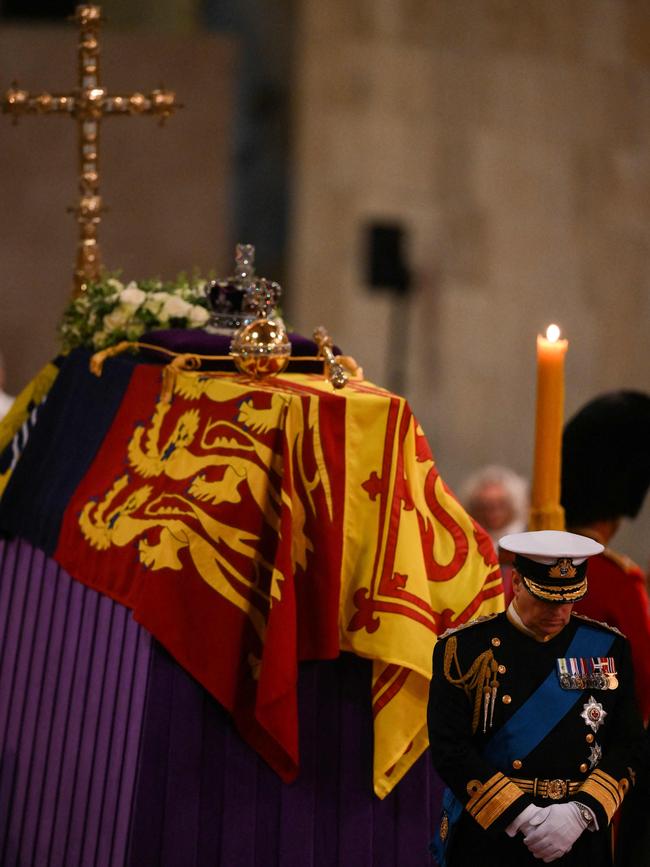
x,y
606,458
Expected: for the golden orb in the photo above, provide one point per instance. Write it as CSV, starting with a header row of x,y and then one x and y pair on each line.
x,y
261,348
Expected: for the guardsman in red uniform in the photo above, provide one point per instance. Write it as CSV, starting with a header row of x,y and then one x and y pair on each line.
x,y
533,722
605,478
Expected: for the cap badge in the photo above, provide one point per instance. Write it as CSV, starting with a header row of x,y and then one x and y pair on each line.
x,y
593,713
564,568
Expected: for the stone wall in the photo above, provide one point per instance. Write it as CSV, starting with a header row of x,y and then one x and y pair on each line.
x,y
512,141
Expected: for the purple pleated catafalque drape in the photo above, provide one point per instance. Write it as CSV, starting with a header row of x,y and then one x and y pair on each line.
x,y
112,755
73,682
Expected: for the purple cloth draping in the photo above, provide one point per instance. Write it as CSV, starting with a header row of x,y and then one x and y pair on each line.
x,y
113,756
206,799
73,676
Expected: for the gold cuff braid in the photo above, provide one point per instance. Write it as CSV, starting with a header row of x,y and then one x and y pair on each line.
x,y
606,790
492,799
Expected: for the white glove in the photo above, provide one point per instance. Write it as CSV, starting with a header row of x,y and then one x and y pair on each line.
x,y
527,820
557,833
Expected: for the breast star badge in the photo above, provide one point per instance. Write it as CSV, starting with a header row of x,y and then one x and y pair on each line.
x,y
595,755
593,713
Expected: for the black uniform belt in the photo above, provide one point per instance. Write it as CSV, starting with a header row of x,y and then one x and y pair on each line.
x,y
553,789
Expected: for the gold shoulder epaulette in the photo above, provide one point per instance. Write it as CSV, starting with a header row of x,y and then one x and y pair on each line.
x,y
454,629
622,560
599,623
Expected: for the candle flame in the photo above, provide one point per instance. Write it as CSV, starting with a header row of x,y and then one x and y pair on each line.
x,y
552,333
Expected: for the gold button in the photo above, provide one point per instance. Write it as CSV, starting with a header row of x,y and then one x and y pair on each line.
x,y
506,699
589,738
516,764
496,642
624,785
584,768
473,787
502,669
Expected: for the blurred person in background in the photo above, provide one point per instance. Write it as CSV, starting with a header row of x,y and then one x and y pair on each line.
x,y
498,499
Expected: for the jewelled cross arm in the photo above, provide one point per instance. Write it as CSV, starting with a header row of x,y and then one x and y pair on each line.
x,y
621,732
490,797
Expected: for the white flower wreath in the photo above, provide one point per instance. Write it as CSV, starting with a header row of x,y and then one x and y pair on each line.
x,y
110,311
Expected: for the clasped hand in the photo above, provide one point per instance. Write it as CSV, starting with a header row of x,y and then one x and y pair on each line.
x,y
551,835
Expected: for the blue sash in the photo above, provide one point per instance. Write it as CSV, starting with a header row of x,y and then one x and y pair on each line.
x,y
453,810
529,725
546,707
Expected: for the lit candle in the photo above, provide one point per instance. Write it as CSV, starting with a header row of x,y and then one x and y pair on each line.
x,y
546,512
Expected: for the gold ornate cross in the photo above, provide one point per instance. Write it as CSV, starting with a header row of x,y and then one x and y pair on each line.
x,y
88,104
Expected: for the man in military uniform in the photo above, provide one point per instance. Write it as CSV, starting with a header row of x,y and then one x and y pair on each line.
x,y
533,722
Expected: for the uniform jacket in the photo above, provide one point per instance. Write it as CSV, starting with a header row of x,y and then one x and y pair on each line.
x,y
596,763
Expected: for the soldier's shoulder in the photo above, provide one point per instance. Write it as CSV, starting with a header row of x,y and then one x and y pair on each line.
x,y
624,563
469,625
598,624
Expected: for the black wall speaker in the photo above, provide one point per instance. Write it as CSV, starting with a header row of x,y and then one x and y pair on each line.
x,y
386,264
